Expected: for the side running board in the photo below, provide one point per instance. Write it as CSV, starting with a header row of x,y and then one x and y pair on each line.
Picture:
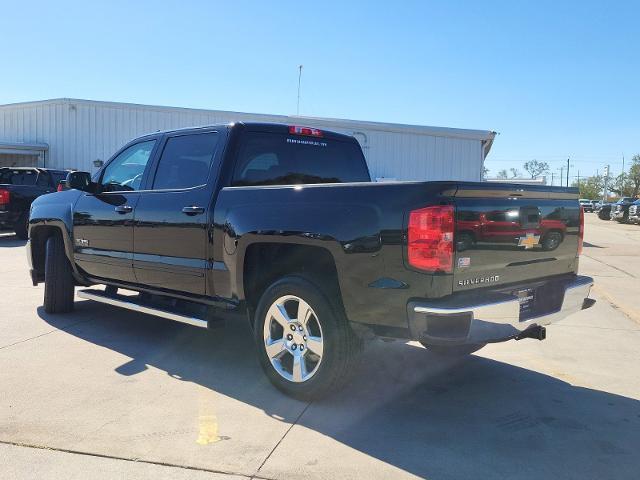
x,y
131,303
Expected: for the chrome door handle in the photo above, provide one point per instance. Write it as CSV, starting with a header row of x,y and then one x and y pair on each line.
x,y
192,210
122,209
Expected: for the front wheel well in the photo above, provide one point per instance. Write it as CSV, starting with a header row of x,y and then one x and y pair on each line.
x,y
38,240
264,263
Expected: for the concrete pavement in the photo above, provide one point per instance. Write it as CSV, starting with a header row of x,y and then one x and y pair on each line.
x,y
141,397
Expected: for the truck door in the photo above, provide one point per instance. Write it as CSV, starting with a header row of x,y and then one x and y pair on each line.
x,y
103,222
171,218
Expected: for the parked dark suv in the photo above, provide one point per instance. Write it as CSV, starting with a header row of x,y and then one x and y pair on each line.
x,y
634,212
620,209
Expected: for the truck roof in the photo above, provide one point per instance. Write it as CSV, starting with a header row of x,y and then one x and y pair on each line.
x,y
280,128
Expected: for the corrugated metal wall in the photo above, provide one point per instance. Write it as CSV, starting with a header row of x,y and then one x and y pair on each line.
x,y
80,132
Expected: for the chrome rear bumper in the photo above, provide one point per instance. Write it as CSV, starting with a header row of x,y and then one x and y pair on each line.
x,y
494,321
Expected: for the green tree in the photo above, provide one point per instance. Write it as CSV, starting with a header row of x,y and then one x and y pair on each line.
x,y
502,174
590,187
627,184
536,168
515,173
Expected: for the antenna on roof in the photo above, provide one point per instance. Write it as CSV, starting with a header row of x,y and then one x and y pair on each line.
x,y
299,78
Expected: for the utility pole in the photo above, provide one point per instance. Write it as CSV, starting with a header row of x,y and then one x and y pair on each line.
x,y
299,78
552,174
622,186
606,181
561,175
578,178
567,172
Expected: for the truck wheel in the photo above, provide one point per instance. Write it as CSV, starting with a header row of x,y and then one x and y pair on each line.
x,y
551,241
305,345
453,350
22,227
58,281
464,242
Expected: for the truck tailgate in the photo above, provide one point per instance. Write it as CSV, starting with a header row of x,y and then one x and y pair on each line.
x,y
511,233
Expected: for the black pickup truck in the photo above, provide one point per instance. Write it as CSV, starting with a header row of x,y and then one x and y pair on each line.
x,y
19,186
284,223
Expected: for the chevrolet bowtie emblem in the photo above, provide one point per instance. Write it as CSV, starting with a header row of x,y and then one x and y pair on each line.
x,y
529,241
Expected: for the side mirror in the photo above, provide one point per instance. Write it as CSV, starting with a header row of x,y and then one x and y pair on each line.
x,y
80,181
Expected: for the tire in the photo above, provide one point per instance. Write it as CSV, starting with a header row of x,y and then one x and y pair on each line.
x,y
58,280
464,242
22,227
453,351
323,364
551,241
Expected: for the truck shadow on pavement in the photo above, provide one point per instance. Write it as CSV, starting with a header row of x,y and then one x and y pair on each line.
x,y
432,418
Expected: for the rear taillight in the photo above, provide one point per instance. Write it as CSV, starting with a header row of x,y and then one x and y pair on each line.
x,y
60,188
581,232
308,131
5,196
430,238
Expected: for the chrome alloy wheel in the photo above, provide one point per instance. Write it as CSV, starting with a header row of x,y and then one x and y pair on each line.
x,y
293,338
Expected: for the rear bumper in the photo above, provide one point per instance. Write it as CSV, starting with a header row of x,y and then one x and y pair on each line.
x,y
489,322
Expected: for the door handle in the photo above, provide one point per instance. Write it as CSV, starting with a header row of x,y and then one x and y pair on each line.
x,y
122,209
192,210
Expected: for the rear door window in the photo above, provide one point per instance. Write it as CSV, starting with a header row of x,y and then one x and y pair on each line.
x,y
268,158
186,161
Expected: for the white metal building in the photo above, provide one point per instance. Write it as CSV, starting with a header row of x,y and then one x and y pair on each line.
x,y
78,134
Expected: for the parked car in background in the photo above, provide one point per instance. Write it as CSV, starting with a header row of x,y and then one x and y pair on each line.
x,y
586,204
19,187
604,211
620,209
284,224
634,212
596,204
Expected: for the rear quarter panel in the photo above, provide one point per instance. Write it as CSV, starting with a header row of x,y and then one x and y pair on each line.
x,y
360,224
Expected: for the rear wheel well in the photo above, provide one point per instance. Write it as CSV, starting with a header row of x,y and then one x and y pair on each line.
x,y
264,263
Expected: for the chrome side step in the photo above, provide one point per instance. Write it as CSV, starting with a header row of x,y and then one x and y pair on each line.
x,y
130,304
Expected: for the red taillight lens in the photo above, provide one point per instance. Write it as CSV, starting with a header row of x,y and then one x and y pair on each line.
x,y
5,196
60,188
430,239
311,132
581,232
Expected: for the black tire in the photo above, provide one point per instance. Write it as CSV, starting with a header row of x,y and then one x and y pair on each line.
x,y
465,241
58,280
340,344
22,227
453,350
551,241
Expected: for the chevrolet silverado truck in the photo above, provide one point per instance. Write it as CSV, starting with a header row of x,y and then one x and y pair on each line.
x,y
19,186
283,223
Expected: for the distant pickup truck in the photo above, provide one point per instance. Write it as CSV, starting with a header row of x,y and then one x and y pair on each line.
x,y
18,188
283,223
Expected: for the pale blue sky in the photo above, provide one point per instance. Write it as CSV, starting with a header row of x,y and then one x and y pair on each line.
x,y
555,79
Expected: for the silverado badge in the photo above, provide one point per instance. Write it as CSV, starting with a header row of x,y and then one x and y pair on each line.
x,y
529,241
